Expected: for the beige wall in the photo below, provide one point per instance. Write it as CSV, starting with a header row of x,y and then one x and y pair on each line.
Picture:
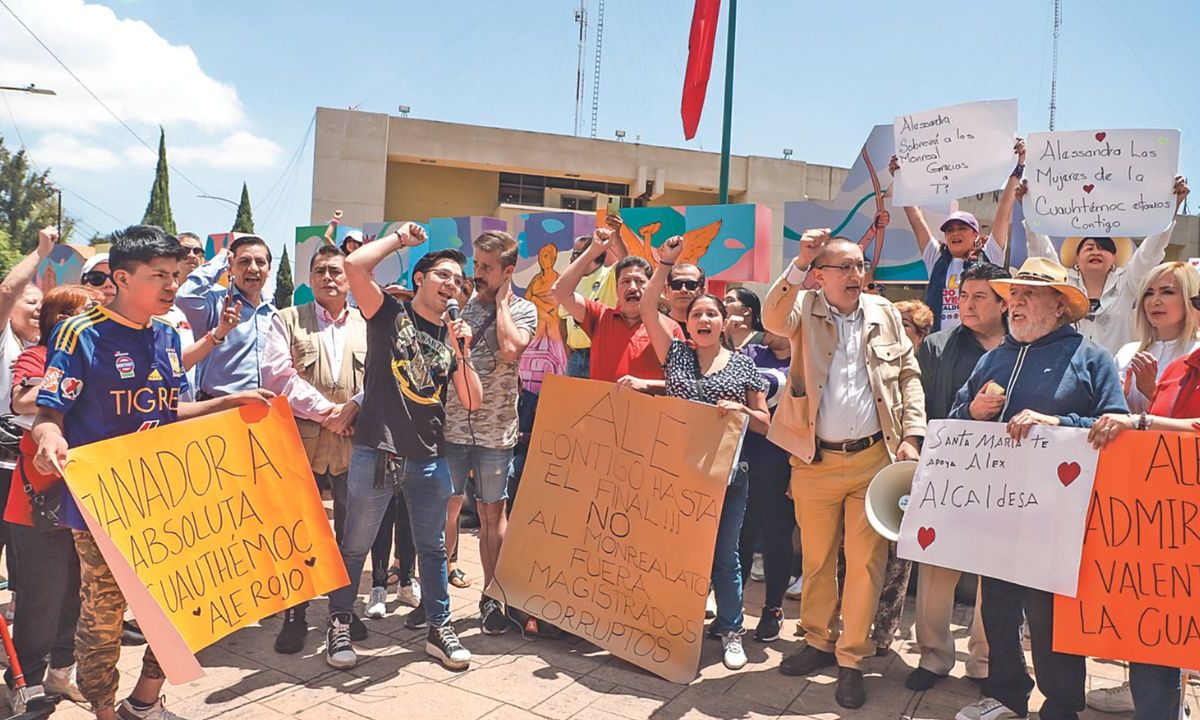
x,y
420,192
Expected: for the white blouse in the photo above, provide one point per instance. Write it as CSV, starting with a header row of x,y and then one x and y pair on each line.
x,y
1166,352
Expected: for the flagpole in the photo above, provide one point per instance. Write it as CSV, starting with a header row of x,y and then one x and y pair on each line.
x,y
723,195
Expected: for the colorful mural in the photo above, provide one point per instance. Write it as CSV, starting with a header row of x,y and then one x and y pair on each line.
x,y
63,265
731,243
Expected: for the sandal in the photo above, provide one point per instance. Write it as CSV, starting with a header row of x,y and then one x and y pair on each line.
x,y
459,579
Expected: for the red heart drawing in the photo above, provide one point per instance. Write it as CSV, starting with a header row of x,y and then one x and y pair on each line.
x,y
1068,472
1100,136
1088,188
926,536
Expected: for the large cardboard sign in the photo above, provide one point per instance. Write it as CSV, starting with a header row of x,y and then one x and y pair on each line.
x,y
218,518
984,503
1101,182
1139,579
612,535
952,152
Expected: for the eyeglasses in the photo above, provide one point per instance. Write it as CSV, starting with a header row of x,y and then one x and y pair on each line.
x,y
861,267
447,276
689,285
192,250
95,278
330,270
1196,302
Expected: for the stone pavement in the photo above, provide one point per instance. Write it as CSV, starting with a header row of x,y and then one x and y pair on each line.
x,y
513,678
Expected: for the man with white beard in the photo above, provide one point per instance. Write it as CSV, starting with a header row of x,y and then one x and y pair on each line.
x,y
1044,373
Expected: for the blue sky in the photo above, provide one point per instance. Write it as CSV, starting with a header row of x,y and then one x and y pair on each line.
x,y
811,76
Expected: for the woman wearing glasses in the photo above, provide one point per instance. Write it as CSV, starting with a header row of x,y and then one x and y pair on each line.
x,y
96,275
703,370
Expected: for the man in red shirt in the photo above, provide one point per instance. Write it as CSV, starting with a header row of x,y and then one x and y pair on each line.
x,y
621,349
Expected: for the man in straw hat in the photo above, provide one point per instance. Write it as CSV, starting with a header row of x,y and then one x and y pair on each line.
x,y
854,405
1110,271
1044,373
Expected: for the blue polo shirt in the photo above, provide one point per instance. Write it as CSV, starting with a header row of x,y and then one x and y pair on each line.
x,y
110,376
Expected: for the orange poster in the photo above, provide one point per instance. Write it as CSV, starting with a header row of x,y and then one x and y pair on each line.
x,y
218,518
1139,582
612,535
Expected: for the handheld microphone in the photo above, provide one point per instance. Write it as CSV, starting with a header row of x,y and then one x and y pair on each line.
x,y
453,312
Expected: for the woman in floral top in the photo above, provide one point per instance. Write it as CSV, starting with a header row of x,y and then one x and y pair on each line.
x,y
703,370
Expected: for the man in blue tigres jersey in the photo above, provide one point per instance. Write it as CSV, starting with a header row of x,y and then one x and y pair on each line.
x,y
111,371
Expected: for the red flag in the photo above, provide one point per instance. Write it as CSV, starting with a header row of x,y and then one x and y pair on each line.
x,y
699,65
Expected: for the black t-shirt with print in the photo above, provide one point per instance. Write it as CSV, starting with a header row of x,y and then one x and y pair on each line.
x,y
408,367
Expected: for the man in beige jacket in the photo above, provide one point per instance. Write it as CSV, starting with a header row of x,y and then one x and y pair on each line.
x,y
854,405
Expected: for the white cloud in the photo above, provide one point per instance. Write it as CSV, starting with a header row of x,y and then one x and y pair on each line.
x,y
57,150
142,77
241,150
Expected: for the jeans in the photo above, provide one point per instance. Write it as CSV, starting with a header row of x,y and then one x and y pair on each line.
x,y
726,570
491,466
374,477
337,487
579,363
769,514
1060,676
1155,691
45,619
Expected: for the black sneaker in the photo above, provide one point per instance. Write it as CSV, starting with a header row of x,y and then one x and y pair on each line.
x,y
415,620
711,632
769,624
358,631
491,615
339,651
291,636
131,635
442,643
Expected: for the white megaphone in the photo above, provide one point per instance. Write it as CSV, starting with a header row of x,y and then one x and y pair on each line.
x,y
887,497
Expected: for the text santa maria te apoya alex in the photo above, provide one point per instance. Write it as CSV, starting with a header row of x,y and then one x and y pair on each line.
x,y
960,486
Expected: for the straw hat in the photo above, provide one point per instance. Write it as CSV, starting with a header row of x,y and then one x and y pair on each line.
x,y
1070,248
1044,272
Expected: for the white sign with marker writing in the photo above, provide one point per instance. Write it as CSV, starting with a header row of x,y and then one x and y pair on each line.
x,y
952,152
1009,509
1101,182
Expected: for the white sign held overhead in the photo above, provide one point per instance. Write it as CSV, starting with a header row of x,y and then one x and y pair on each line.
x,y
1013,510
1101,182
952,152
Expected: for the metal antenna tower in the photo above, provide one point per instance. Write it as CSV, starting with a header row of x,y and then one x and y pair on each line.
x,y
1054,66
581,19
596,67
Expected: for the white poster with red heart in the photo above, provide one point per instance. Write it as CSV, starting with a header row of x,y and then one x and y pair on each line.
x,y
1102,183
987,504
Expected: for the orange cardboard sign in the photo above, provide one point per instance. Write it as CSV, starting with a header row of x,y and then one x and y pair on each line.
x,y
1139,580
218,518
612,535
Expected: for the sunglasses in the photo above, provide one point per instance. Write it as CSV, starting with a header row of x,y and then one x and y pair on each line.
x,y
1196,302
95,278
194,251
689,285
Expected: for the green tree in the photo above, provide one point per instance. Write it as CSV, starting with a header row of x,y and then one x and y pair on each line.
x,y
158,210
245,220
28,202
283,283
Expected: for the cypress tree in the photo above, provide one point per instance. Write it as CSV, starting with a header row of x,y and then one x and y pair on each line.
x,y
245,221
283,283
158,211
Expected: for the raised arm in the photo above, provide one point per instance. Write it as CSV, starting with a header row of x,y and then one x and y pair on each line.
x,y
916,219
657,325
331,228
23,273
1002,223
197,297
563,290
511,338
780,309
362,261
618,249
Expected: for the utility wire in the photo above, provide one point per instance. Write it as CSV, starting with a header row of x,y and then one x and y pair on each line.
x,y
96,97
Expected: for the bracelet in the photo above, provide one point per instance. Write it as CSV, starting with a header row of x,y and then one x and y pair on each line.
x,y
213,337
1143,422
1019,171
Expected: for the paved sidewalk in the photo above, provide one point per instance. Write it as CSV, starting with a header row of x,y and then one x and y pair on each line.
x,y
513,678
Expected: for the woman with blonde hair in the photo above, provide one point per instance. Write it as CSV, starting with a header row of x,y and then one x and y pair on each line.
x,y
1166,328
